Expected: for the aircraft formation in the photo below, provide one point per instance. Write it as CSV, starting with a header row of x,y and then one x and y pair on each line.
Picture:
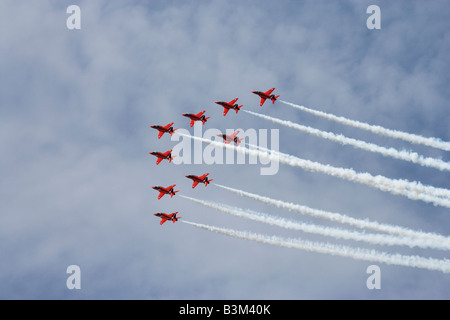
x,y
389,234
193,118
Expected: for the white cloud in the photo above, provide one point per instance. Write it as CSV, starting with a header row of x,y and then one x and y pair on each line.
x,y
75,112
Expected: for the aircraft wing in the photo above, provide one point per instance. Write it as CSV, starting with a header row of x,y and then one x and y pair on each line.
x,y
160,134
194,184
158,160
161,194
234,134
225,111
198,115
233,101
192,123
162,221
262,102
268,92
167,153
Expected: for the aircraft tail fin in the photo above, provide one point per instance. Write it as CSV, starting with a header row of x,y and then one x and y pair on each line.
x,y
238,108
204,120
274,99
208,182
175,218
171,132
238,141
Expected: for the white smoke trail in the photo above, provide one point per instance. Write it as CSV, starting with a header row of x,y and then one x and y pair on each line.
x,y
413,138
412,190
344,219
379,239
389,152
337,250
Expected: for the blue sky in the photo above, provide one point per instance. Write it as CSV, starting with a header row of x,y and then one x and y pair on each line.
x,y
76,176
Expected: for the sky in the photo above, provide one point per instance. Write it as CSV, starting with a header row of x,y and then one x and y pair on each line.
x,y
76,174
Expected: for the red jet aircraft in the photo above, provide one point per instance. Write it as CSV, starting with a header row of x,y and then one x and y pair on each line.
x,y
163,191
231,137
266,95
161,156
167,217
229,105
203,179
162,130
196,117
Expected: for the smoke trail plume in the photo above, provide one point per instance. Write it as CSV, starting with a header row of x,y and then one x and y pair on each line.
x,y
341,218
387,152
413,138
337,250
412,190
378,239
